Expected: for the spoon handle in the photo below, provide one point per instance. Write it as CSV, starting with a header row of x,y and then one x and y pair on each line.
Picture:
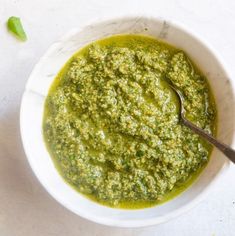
x,y
229,152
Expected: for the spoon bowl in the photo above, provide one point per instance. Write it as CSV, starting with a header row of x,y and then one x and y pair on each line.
x,y
225,149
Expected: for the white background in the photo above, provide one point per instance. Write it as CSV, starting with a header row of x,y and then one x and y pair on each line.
x,y
25,207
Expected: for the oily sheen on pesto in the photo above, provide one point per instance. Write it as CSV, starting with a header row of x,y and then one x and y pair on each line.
x,y
111,122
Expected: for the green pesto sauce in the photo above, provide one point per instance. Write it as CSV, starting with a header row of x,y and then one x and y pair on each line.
x,y
112,127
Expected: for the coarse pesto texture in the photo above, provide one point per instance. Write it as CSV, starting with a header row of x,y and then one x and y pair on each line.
x,y
111,121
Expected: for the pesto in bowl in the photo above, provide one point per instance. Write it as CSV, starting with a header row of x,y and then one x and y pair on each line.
x,y
112,127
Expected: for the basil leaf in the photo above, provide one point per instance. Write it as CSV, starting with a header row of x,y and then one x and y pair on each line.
x,y
14,26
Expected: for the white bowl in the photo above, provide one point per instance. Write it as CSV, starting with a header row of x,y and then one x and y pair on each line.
x,y
32,113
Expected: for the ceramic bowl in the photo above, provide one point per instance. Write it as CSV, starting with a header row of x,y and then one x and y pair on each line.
x,y
43,75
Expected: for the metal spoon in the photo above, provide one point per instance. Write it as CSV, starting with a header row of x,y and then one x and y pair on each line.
x,y
229,152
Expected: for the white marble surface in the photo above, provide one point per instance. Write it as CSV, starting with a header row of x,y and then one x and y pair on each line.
x,y
25,208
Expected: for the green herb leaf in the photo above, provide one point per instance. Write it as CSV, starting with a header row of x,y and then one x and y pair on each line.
x,y
14,26
139,153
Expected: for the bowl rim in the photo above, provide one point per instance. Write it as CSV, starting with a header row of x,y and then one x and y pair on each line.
x,y
154,220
